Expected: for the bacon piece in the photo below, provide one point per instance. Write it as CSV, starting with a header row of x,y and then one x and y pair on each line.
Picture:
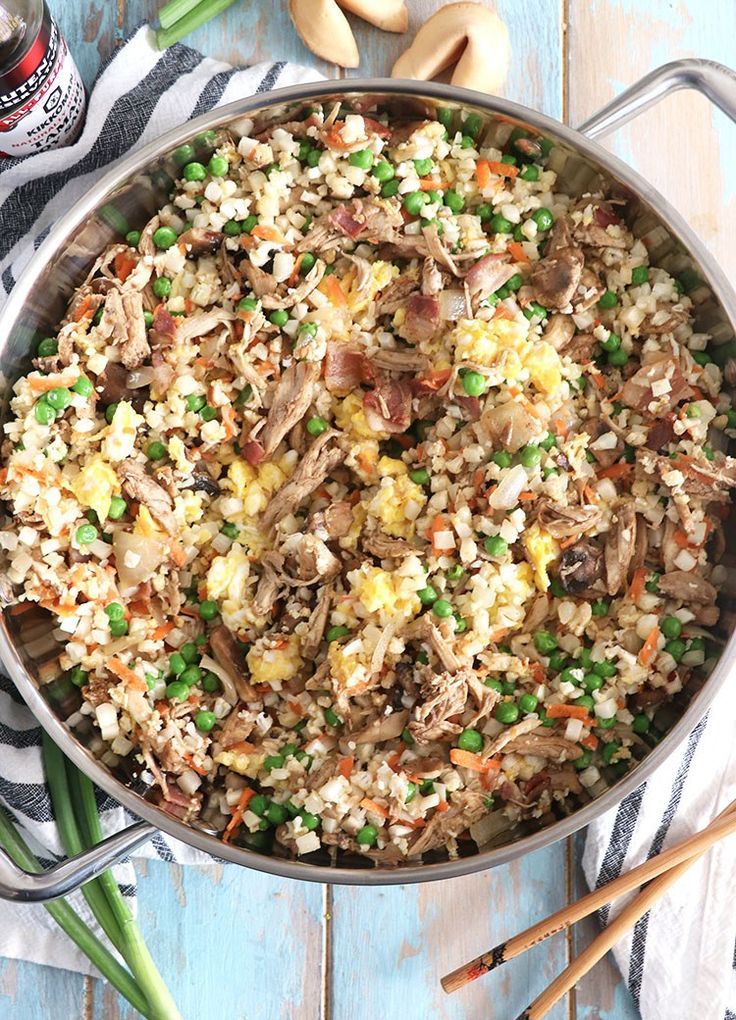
x,y
345,367
422,318
488,274
388,407
253,452
341,220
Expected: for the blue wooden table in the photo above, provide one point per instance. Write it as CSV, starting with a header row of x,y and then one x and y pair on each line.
x,y
234,944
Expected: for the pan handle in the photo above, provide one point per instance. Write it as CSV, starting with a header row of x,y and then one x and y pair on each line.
x,y
26,887
713,80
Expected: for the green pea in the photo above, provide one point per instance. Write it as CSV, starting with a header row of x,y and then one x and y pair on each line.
x,y
367,836
331,718
641,723
196,401
316,426
279,317
309,821
455,572
164,237
611,343
189,652
461,625
231,228
530,173
218,166
47,347
608,300
427,596
676,649
515,283
420,476
535,311
390,189
273,761
494,684
454,202
485,212
508,687
208,609
191,675
118,507
335,633
230,530
609,750
472,124
211,683
43,412
363,159
307,262
194,172
208,413
444,116
496,546
544,642
528,703
502,458
671,627
543,218
132,238
530,456
470,740
114,611
583,760
506,712
86,534
308,329
423,167
592,682
177,690
414,201
709,454
557,660
604,669
422,657
618,358
205,721
411,792
118,628
693,411
606,724
567,676
383,172
78,676
474,384
83,386
148,318
639,275
248,304
155,451
59,398
162,286
426,787
177,663
696,645
407,737
585,701
600,608
500,225
442,608
248,223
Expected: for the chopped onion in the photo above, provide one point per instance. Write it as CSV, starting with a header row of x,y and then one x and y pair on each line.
x,y
149,551
107,719
140,377
452,305
189,782
506,494
228,687
574,730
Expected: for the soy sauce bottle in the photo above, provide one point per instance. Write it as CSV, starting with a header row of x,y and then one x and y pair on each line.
x,y
42,98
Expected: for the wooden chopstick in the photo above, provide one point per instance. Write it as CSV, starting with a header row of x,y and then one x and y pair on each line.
x,y
678,857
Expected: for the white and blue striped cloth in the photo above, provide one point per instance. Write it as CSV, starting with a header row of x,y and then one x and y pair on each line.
x,y
679,960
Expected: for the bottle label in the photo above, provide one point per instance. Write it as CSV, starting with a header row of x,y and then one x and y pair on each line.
x,y
45,107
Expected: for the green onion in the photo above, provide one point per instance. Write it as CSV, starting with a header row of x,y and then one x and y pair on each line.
x,y
186,23
174,10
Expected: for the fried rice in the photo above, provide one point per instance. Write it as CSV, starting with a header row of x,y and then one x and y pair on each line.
x,y
373,487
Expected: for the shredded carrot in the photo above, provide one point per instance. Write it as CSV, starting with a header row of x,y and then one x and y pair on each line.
x,y
636,588
568,712
334,140
438,524
124,266
681,539
621,470
195,768
237,816
436,379
442,806
591,741
332,289
538,675
483,173
267,233
44,383
160,632
591,496
394,760
649,647
345,766
83,308
3,476
426,184
229,420
527,496
560,426
565,543
177,553
474,762
517,251
124,673
376,809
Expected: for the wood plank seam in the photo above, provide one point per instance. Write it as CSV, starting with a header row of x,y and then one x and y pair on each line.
x,y
325,1012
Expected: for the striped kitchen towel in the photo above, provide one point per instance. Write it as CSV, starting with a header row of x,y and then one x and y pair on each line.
x,y
139,93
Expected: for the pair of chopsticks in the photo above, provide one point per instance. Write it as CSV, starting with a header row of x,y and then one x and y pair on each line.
x,y
665,869
178,18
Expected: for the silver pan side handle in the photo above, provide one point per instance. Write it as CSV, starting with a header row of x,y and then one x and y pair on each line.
x,y
26,887
715,81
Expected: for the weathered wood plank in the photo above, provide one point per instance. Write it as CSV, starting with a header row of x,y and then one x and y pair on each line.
x,y
31,992
684,146
392,945
91,30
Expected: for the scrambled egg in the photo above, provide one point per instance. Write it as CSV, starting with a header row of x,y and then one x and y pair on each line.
x,y
399,501
145,524
255,485
188,506
347,668
495,601
350,418
382,273
385,593
542,550
119,441
503,344
95,485
229,582
274,666
243,764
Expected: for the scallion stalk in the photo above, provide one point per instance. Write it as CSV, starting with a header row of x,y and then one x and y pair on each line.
x,y
199,15
134,948
70,922
174,10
